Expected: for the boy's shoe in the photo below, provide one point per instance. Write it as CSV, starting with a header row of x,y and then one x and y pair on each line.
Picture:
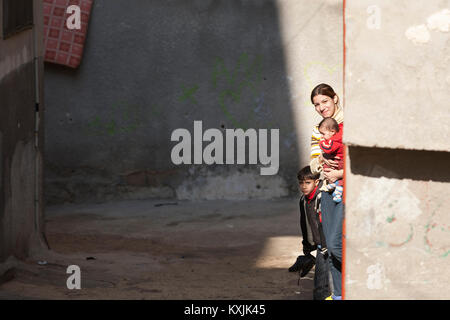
x,y
303,264
296,266
333,297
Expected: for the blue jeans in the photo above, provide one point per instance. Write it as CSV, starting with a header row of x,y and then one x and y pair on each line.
x,y
332,218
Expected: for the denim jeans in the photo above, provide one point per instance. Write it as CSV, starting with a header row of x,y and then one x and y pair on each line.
x,y
332,218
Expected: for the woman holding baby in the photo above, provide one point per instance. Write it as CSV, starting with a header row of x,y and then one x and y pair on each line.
x,y
326,103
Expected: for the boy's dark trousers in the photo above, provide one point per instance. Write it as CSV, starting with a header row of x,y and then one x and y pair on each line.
x,y
321,277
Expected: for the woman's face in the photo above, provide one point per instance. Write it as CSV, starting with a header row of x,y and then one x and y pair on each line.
x,y
325,106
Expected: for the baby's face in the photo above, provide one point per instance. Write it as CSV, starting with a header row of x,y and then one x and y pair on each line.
x,y
326,133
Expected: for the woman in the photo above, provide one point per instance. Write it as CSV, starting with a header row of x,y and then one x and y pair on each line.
x,y
326,103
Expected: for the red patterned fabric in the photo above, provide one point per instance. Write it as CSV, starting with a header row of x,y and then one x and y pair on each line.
x,y
64,46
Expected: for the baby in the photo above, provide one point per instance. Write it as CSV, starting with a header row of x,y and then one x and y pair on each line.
x,y
332,148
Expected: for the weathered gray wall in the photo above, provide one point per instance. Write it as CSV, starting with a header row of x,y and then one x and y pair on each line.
x,y
150,67
20,223
397,127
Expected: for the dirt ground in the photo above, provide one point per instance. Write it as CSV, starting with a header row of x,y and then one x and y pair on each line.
x,y
149,249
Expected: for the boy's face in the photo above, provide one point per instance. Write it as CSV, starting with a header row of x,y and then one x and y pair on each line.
x,y
326,133
307,185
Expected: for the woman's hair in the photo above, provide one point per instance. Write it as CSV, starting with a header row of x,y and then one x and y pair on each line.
x,y
323,89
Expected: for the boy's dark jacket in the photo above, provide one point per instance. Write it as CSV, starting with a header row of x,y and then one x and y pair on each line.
x,y
310,225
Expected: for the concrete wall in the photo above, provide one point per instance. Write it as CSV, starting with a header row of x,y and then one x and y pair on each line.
x,y
397,128
21,193
150,67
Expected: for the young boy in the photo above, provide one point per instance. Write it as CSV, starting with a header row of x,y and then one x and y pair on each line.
x,y
313,238
332,148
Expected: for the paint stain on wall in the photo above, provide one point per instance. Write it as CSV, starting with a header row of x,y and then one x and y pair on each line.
x,y
375,277
436,237
420,34
439,21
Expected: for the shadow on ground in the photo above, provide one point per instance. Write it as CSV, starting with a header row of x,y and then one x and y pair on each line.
x,y
167,250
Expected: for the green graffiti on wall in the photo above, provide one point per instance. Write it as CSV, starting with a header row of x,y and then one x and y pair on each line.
x,y
188,94
244,77
122,118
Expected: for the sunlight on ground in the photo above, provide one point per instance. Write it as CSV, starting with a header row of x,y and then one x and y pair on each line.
x,y
279,252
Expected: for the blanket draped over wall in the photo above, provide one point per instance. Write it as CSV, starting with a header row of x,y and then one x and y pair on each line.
x,y
63,45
